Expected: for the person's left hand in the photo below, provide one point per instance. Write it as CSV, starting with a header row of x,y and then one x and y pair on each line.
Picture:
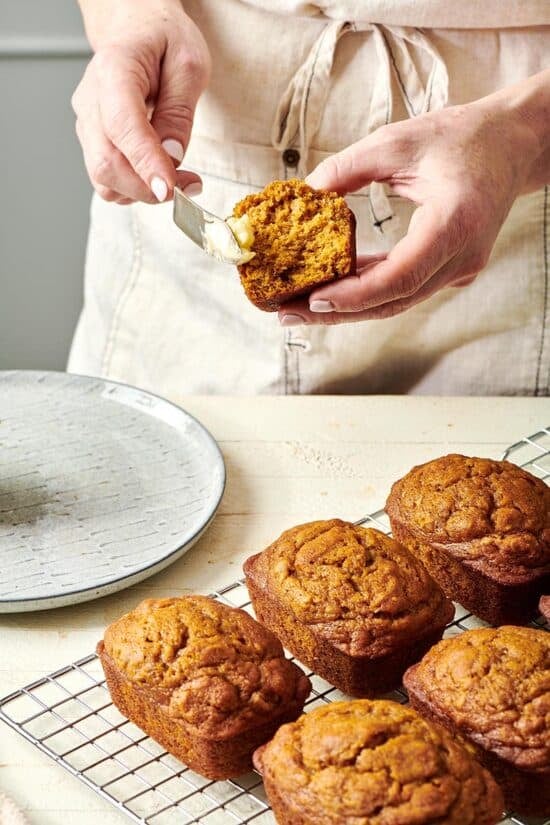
x,y
464,166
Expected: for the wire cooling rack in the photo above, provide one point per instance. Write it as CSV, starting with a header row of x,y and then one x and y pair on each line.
x,y
532,453
69,716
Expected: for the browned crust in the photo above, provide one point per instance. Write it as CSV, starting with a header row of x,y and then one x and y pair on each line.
x,y
524,792
481,527
374,761
544,607
494,601
209,756
360,676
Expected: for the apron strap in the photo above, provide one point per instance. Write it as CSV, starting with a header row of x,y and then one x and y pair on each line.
x,y
301,107
302,104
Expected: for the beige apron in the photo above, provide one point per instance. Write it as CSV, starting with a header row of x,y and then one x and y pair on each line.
x,y
289,87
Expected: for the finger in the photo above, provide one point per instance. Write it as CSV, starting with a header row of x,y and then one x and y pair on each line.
x,y
377,157
446,277
123,90
108,169
182,80
427,247
462,282
364,263
365,259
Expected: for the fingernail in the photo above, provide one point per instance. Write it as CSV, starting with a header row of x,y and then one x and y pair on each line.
x,y
321,306
159,189
174,149
193,189
292,320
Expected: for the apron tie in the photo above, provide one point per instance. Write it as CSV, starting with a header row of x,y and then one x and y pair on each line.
x,y
301,107
302,104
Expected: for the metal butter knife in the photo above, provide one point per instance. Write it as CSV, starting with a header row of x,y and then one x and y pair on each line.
x,y
212,234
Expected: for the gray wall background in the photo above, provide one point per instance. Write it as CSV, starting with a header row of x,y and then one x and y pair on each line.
x,y
44,191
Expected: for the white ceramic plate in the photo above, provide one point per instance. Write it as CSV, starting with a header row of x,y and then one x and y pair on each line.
x,y
101,485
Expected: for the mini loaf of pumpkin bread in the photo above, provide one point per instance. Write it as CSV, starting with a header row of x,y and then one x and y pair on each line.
x,y
492,686
374,763
204,680
482,528
348,602
302,237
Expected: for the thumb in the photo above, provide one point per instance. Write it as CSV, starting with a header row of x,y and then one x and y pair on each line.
x,y
183,77
375,157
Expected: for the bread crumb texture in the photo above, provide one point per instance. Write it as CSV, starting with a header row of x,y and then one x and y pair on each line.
x,y
493,684
216,666
302,237
376,763
485,509
362,590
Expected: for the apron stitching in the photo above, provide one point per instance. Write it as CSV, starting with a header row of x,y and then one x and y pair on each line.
x,y
125,294
410,107
298,376
545,307
285,359
292,364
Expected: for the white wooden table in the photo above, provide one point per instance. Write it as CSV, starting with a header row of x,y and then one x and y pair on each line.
x,y
289,460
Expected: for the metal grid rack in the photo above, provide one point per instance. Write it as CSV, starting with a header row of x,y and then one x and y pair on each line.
x,y
532,453
69,716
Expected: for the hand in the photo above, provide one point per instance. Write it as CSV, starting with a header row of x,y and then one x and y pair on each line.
x,y
463,166
136,100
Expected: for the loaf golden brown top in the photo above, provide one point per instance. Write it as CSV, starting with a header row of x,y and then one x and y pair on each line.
x,y
377,763
493,685
302,237
484,511
360,589
215,666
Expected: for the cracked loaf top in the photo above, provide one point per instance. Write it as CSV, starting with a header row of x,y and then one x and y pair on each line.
x,y
356,587
484,511
215,666
377,763
494,686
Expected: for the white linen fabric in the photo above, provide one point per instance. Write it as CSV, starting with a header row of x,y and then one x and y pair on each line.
x,y
292,83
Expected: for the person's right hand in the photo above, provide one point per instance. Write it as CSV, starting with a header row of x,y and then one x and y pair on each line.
x,y
136,100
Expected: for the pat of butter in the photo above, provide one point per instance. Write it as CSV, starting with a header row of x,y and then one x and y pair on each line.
x,y
229,240
244,234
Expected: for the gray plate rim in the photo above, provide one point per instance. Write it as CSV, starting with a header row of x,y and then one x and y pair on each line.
x,y
124,581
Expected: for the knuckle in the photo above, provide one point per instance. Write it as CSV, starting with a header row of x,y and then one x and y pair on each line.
x,y
194,62
118,125
175,111
193,66
103,171
408,285
462,282
473,263
106,193
105,58
75,99
478,262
